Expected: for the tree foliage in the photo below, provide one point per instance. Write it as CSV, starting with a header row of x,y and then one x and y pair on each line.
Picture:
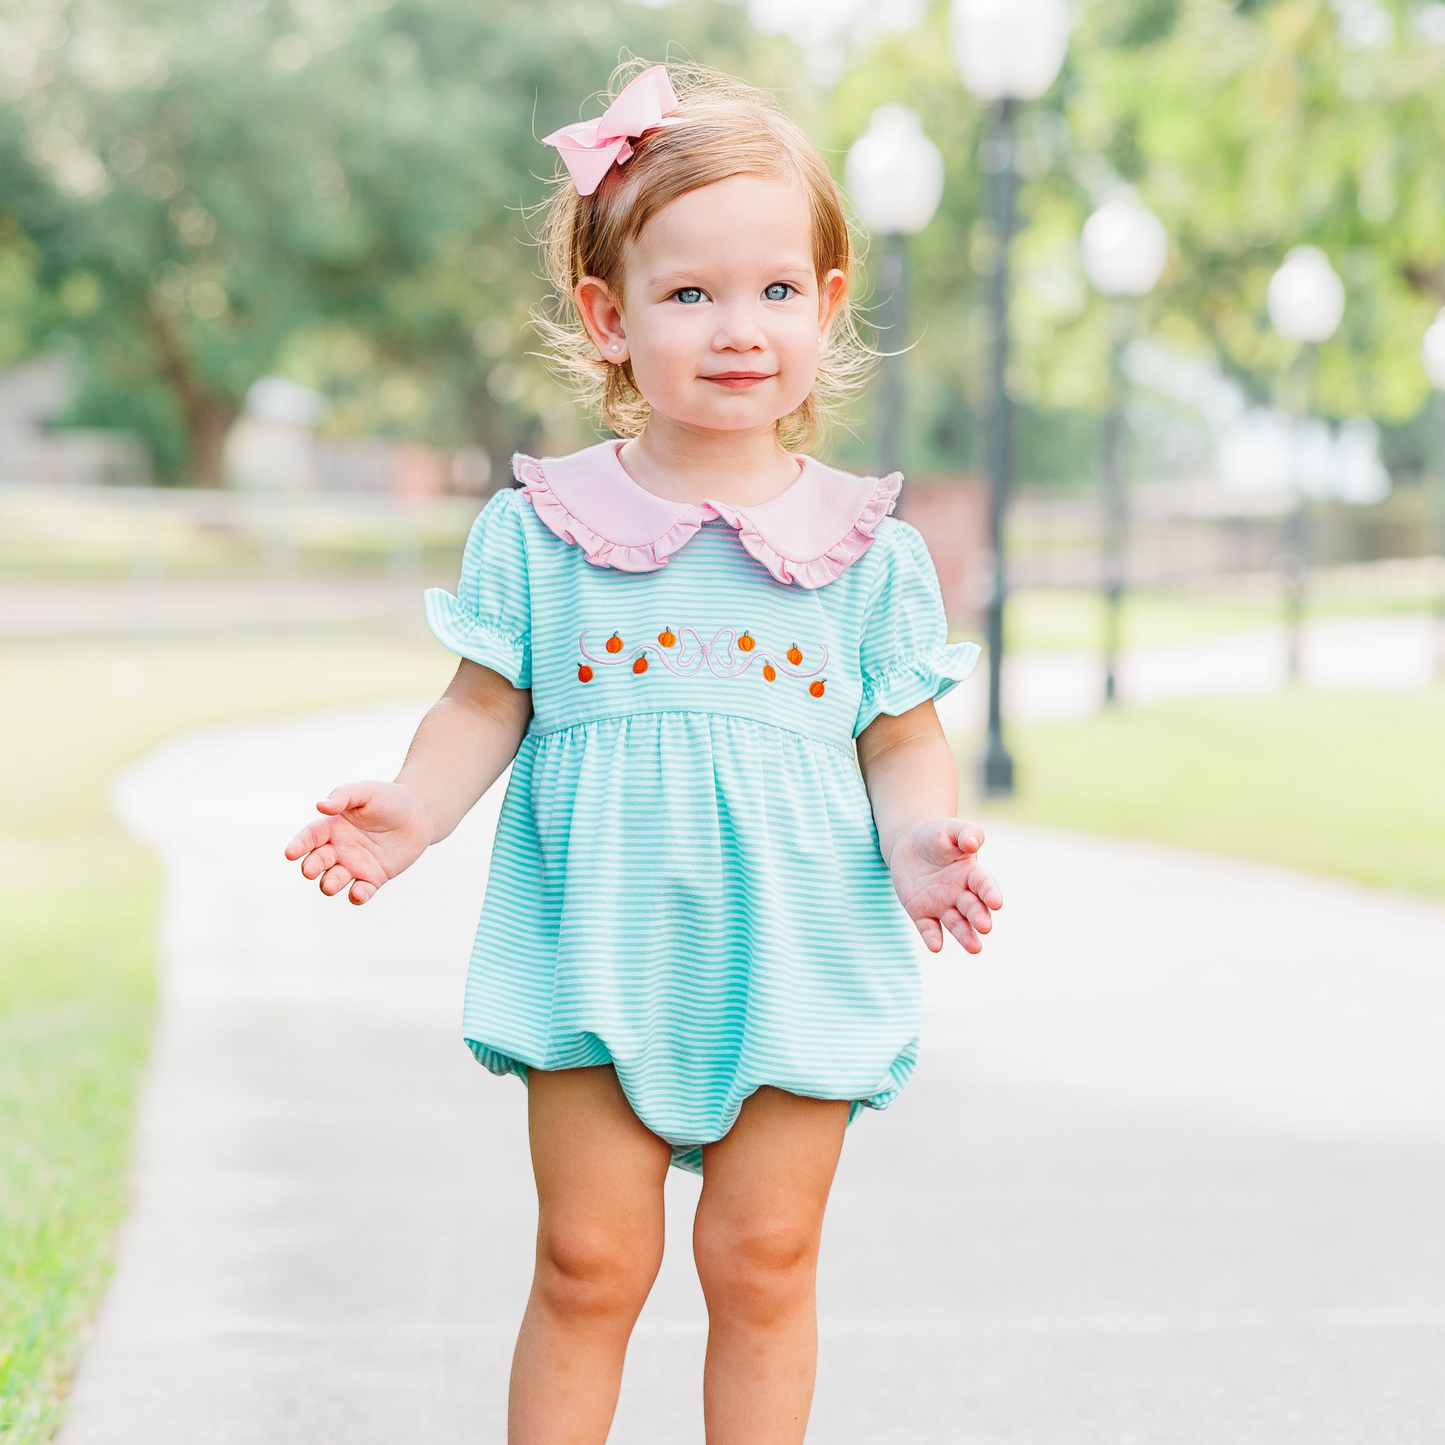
x,y
214,188
196,192
1249,129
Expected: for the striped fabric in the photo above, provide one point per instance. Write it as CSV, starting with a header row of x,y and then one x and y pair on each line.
x,y
686,880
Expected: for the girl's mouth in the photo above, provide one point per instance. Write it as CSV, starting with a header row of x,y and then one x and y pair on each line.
x,y
739,380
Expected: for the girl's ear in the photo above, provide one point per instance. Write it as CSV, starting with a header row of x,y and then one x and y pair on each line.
x,y
602,317
831,291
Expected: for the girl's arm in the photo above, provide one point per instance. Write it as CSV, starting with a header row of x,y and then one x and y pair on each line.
x,y
912,783
372,830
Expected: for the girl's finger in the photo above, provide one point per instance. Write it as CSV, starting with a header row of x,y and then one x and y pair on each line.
x,y
361,891
316,862
975,912
932,934
339,800
365,869
962,930
983,887
334,880
307,839
967,837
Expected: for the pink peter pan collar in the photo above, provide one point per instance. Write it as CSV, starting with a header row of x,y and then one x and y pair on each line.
x,y
807,535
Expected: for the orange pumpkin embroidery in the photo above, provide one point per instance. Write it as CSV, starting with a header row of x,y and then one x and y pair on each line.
x,y
795,655
584,673
614,643
746,643
640,666
667,637
770,673
816,688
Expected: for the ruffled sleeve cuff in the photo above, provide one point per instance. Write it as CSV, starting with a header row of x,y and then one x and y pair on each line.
x,y
915,680
476,638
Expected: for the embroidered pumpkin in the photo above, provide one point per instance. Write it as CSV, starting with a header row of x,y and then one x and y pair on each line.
x,y
667,637
640,666
746,643
770,673
795,656
614,643
816,688
584,673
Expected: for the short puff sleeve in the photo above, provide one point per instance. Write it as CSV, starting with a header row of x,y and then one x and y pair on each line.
x,y
905,653
489,620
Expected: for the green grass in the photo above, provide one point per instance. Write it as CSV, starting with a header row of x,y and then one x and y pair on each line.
x,y
77,968
1068,620
1345,783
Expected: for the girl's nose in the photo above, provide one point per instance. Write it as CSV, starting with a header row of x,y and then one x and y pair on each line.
x,y
739,329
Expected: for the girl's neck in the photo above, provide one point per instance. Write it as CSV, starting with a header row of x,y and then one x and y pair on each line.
x,y
680,464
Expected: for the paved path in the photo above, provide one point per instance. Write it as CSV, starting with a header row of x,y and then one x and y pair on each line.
x,y
1175,1180
1385,653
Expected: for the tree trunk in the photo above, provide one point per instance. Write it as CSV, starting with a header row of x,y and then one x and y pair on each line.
x,y
208,415
208,419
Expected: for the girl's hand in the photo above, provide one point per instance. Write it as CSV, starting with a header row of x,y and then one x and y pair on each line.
x,y
371,832
935,869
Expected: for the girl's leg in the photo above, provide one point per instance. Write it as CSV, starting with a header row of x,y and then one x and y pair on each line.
x,y
765,1186
599,1244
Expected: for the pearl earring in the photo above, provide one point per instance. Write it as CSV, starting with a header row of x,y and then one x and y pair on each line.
x,y
820,341
614,347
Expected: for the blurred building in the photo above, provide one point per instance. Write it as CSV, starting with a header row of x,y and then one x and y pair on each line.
x,y
33,449
275,446
951,513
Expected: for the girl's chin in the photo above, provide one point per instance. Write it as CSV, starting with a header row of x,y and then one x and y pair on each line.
x,y
737,410
731,419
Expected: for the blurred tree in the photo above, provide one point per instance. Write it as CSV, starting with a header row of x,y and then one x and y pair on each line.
x,y
1249,128
208,189
1255,129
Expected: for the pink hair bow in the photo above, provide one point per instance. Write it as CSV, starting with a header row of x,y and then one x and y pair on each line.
x,y
589,147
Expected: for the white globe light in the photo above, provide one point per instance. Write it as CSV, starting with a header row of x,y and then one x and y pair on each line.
x,y
1008,49
1306,300
894,173
1432,351
1124,246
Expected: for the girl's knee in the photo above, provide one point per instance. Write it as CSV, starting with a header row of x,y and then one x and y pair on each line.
x,y
755,1269
587,1272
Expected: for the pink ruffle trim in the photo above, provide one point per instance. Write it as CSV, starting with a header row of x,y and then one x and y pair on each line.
x,y
819,571
648,557
597,549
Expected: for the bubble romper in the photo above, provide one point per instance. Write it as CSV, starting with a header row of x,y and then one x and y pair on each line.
x,y
686,881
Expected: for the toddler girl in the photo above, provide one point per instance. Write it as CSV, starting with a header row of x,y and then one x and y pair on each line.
x,y
711,664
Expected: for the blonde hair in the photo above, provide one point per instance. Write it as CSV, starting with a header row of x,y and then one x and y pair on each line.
x,y
722,127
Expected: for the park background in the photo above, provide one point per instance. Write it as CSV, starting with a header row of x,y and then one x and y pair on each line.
x,y
329,198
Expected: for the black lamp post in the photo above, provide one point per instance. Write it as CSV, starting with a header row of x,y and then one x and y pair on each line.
x,y
1432,353
1123,248
1306,302
1005,51
996,765
894,175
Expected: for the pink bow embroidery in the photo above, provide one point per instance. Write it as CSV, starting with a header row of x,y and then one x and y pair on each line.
x,y
589,147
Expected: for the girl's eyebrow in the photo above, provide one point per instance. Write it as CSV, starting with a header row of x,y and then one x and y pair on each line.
x,y
672,280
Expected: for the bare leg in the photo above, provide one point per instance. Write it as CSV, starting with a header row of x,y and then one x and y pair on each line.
x,y
599,1244
765,1187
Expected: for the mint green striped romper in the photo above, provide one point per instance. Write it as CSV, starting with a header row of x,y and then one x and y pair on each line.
x,y
686,880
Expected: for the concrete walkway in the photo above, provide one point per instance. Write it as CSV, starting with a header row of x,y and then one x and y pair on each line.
x,y
1384,653
1172,1170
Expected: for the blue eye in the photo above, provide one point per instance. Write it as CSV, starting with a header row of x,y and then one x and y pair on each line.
x,y
689,295
779,291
